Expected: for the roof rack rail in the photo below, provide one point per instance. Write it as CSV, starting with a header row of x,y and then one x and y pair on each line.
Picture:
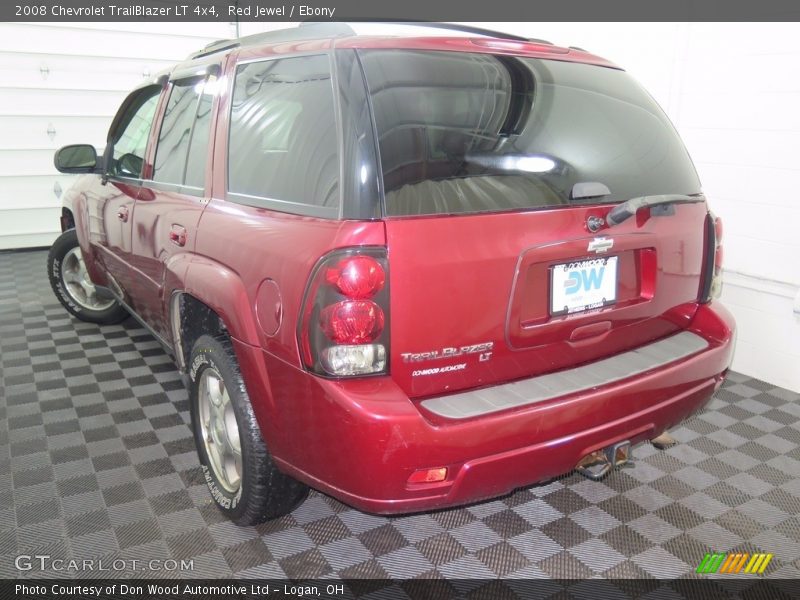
x,y
214,47
470,29
215,42
306,31
464,28
310,30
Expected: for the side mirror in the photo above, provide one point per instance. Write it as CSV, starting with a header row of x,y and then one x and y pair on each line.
x,y
76,158
130,165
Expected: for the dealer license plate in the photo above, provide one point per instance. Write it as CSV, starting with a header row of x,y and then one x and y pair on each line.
x,y
583,285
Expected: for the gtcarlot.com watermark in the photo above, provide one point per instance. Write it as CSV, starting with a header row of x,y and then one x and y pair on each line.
x,y
45,562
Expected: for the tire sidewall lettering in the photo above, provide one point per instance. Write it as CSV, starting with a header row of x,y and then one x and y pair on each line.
x,y
198,361
67,299
220,496
224,499
59,284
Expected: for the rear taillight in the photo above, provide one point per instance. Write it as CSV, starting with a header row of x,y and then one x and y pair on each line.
x,y
344,330
712,273
357,276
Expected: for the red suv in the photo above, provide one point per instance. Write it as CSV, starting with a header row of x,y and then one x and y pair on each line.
x,y
408,272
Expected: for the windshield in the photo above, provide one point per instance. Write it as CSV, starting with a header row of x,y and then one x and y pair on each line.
x,y
466,133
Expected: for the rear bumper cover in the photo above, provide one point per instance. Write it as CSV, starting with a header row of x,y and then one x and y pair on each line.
x,y
359,441
531,391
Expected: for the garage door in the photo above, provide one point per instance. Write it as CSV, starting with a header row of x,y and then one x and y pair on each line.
x,y
62,84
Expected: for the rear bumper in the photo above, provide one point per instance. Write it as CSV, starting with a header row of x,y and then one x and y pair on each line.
x,y
359,441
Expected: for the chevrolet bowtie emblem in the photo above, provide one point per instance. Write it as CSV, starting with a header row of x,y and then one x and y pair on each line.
x,y
600,244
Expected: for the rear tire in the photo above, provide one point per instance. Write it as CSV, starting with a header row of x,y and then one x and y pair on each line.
x,y
244,481
72,286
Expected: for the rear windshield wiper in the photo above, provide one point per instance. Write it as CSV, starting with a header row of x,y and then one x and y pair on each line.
x,y
627,209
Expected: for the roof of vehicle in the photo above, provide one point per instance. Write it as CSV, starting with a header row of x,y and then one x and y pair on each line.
x,y
319,36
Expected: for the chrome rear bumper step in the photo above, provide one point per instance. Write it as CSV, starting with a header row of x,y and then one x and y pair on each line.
x,y
553,385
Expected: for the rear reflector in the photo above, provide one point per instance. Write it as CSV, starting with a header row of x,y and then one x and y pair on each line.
x,y
428,475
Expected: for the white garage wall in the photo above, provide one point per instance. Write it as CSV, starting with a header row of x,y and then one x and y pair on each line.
x,y
732,91
62,84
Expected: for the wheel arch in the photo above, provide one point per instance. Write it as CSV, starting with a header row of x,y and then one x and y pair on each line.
x,y
213,299
213,295
189,319
67,218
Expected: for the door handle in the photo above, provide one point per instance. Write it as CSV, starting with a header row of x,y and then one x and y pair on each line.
x,y
122,214
177,235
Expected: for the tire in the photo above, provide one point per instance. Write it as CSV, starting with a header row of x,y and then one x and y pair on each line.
x,y
72,286
218,396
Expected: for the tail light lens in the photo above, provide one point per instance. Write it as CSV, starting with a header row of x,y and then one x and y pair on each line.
x,y
352,321
712,276
344,330
357,276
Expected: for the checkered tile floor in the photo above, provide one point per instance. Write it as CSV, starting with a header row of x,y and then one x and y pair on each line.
x,y
97,461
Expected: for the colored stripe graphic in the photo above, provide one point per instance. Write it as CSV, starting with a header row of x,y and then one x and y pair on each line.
x,y
721,562
727,564
765,562
711,563
753,564
758,563
702,567
740,564
714,566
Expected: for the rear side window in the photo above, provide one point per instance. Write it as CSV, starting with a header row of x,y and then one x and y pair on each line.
x,y
130,140
183,140
468,133
283,145
198,146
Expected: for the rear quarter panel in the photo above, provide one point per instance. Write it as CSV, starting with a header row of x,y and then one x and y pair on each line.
x,y
241,250
251,245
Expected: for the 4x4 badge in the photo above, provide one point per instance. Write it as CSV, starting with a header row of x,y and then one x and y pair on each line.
x,y
600,244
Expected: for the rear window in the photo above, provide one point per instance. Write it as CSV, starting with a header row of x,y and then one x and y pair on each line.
x,y
468,133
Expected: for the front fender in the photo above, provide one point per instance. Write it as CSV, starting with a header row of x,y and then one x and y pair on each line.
x,y
67,213
75,198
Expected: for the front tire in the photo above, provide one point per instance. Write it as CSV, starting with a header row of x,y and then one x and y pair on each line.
x,y
72,286
239,471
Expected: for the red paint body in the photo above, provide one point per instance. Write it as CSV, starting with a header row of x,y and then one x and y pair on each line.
x,y
454,282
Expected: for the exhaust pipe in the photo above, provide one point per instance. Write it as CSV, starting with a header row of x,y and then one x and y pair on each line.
x,y
599,463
